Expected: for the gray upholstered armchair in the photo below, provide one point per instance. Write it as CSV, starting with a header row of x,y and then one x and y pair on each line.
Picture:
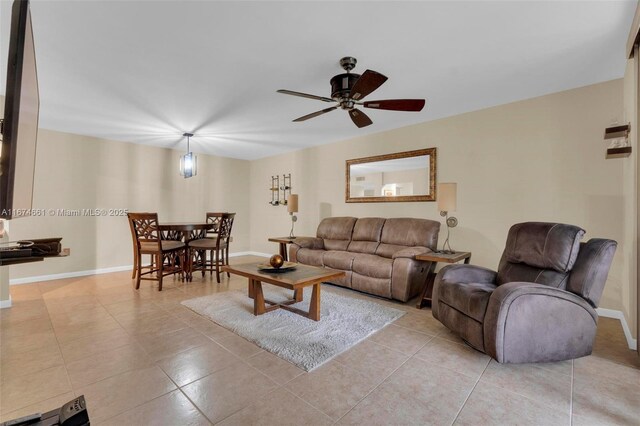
x,y
539,306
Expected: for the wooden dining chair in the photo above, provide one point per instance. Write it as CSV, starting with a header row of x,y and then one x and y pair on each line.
x,y
148,241
135,253
216,244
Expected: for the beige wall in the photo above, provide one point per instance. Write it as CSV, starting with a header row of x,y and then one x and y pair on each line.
x,y
80,172
540,159
630,187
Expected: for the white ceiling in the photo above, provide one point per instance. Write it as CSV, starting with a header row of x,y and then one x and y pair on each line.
x,y
147,71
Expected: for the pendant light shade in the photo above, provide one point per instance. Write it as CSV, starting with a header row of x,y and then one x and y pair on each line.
x,y
189,161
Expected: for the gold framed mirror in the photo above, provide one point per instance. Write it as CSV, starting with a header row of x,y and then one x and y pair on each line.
x,y
402,176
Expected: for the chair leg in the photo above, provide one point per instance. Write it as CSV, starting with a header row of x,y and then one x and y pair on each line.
x,y
138,270
182,255
135,264
160,271
201,255
227,261
218,266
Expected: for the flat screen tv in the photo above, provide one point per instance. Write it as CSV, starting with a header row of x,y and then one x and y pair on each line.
x,y
20,125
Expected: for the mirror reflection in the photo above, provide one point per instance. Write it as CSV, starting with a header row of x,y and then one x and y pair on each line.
x,y
404,176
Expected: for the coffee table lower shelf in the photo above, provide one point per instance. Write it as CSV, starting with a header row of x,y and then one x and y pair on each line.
x,y
260,303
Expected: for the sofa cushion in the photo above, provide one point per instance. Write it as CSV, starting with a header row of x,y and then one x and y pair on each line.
x,y
371,265
310,256
342,260
388,250
544,245
410,232
343,281
336,232
471,299
366,235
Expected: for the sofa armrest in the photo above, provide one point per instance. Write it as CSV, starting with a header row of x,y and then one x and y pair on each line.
x,y
309,242
410,252
527,322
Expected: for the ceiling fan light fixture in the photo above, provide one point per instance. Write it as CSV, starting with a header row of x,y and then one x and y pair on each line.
x,y
348,89
189,161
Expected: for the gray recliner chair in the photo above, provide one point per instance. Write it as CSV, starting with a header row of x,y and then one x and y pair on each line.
x,y
539,306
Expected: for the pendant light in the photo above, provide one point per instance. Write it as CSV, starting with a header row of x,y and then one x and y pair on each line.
x,y
189,161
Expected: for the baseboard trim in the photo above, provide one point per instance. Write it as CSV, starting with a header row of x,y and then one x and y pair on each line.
x,y
5,303
612,313
75,274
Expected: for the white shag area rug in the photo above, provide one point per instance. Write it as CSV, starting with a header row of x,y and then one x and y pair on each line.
x,y
344,321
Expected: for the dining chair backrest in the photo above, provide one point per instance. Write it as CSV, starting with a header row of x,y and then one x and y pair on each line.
x,y
145,228
222,224
214,218
226,223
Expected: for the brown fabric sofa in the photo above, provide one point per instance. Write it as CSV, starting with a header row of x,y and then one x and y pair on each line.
x,y
377,254
540,306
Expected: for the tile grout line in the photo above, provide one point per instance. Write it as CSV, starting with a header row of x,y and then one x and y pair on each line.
x,y
63,364
550,407
571,400
383,380
195,405
155,364
469,396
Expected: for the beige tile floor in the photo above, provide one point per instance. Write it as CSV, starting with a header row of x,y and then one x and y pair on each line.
x,y
141,358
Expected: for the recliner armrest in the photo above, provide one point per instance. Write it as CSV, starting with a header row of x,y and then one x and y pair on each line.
x,y
528,322
309,242
467,274
410,252
463,274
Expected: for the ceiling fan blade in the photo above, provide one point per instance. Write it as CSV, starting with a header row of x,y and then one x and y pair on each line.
x,y
367,83
359,118
397,104
305,95
315,114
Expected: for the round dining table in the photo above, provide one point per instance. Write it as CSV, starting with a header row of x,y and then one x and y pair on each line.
x,y
185,232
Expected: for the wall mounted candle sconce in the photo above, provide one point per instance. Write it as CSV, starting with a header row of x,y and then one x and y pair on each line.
x,y
280,192
619,141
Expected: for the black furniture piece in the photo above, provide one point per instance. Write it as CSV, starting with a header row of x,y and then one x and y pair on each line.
x,y
540,305
73,413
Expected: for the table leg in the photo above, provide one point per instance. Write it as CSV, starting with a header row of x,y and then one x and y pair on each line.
x,y
314,306
283,251
297,295
425,297
250,290
258,299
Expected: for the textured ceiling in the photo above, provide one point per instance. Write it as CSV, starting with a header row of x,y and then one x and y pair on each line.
x,y
146,72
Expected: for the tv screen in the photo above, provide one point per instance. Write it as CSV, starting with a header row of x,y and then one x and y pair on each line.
x,y
20,126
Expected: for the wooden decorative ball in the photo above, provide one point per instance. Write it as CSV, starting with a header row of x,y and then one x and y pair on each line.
x,y
276,261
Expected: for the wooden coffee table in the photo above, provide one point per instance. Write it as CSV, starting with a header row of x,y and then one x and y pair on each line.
x,y
296,280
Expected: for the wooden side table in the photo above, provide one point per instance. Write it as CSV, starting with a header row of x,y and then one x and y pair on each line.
x,y
435,258
283,241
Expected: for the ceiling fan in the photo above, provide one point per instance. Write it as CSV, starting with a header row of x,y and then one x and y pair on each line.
x,y
349,89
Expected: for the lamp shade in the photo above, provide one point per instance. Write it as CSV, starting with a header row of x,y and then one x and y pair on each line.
x,y
447,197
292,203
